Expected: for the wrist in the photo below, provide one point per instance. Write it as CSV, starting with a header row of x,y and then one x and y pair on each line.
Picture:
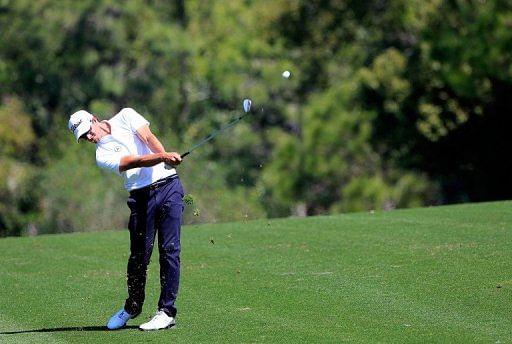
x,y
161,157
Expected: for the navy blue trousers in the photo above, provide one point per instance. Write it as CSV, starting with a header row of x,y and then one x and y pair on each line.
x,y
155,210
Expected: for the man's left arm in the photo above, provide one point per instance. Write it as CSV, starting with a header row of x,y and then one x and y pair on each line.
x,y
146,136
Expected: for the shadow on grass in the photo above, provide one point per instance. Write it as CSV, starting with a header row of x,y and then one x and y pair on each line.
x,y
69,329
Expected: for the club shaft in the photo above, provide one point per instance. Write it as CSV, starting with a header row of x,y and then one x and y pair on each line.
x,y
212,135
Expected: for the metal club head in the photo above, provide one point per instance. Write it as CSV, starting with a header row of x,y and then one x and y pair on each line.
x,y
247,105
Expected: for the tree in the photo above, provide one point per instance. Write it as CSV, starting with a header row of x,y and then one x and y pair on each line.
x,y
18,197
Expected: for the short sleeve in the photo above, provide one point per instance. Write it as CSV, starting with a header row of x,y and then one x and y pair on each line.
x,y
109,162
134,119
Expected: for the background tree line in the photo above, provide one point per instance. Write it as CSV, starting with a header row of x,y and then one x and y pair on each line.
x,y
391,103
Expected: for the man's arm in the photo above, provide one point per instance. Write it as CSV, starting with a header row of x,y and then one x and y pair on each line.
x,y
160,155
146,136
133,161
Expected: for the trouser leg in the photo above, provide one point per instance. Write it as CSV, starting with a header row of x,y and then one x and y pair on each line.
x,y
142,236
169,246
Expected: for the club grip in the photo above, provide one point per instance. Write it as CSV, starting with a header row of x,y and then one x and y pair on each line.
x,y
184,154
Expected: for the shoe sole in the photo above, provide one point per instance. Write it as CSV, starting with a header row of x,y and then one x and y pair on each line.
x,y
159,329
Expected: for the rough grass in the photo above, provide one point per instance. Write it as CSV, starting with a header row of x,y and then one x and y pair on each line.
x,y
411,276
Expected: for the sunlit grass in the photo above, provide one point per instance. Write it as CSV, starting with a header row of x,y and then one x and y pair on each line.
x,y
421,275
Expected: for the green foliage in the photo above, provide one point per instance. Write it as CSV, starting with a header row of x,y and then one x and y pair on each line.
x,y
386,76
455,64
209,198
365,193
18,197
375,192
382,99
69,185
331,165
16,133
18,190
188,199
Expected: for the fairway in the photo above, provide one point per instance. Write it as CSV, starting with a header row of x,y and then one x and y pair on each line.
x,y
441,274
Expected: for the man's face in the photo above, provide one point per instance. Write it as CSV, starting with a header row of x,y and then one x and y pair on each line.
x,y
94,134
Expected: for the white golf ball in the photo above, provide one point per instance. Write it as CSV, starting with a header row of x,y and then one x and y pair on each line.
x,y
286,74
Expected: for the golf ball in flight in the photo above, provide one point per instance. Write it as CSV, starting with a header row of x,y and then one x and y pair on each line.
x,y
286,74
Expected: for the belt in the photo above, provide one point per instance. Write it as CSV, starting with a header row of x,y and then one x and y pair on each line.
x,y
155,185
162,182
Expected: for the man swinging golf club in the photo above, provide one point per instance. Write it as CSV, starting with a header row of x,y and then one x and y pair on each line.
x,y
126,146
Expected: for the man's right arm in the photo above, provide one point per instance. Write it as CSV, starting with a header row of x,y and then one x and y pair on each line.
x,y
133,161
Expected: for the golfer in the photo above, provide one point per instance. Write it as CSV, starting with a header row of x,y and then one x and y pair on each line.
x,y
126,146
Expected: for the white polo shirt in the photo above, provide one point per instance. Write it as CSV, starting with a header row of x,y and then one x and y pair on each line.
x,y
123,141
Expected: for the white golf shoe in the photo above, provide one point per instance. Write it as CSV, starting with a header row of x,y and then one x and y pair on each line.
x,y
160,321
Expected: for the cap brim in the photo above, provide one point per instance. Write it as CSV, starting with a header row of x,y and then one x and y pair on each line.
x,y
82,129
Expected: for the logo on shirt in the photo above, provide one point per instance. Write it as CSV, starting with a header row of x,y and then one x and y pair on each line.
x,y
117,149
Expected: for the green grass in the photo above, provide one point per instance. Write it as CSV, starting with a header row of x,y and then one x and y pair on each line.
x,y
439,275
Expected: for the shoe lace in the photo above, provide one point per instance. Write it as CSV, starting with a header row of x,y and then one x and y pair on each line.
x,y
158,315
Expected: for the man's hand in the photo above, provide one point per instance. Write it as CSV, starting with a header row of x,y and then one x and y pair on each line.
x,y
171,158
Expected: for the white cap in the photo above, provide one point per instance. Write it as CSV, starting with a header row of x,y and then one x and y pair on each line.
x,y
80,123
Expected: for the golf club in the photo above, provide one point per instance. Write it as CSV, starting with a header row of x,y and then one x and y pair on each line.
x,y
247,107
